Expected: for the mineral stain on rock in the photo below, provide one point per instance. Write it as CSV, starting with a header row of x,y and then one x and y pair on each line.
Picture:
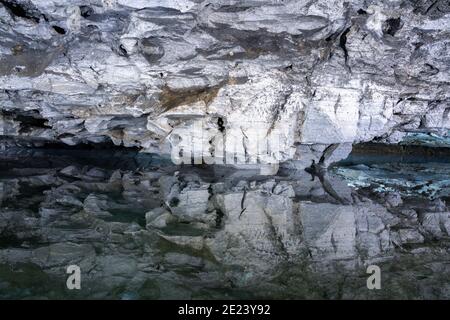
x,y
171,99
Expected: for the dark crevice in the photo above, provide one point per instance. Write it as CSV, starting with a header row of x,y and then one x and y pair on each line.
x,y
430,70
88,146
431,6
422,124
23,10
122,51
391,26
343,43
59,30
86,11
328,151
219,218
27,123
27,120
220,124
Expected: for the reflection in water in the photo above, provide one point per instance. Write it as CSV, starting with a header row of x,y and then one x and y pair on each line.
x,y
142,229
410,180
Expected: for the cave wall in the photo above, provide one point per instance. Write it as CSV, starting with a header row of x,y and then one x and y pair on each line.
x,y
312,77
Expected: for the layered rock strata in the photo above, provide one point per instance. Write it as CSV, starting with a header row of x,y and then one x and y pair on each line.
x,y
310,78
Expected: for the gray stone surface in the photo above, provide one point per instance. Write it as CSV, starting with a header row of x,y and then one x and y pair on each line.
x,y
306,74
239,235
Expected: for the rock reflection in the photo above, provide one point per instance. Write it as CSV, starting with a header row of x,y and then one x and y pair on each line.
x,y
152,231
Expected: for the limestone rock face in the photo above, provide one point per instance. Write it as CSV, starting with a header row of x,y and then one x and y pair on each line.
x,y
165,75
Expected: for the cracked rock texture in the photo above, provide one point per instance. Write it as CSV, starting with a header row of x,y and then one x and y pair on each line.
x,y
178,232
314,76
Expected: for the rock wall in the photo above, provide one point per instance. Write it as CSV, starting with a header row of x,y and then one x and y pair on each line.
x,y
187,233
310,77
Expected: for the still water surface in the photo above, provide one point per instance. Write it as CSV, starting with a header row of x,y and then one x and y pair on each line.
x,y
140,228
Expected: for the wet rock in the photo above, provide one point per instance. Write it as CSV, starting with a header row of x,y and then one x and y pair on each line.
x,y
330,234
436,223
410,236
231,233
158,218
394,199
